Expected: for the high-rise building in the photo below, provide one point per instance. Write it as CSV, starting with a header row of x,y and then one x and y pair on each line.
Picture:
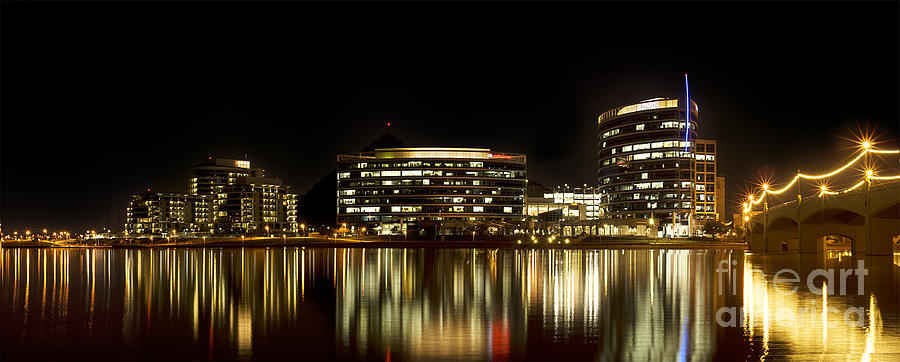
x,y
162,213
225,196
646,166
720,198
219,172
253,204
431,191
706,189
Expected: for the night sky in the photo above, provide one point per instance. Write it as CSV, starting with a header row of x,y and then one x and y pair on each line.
x,y
103,100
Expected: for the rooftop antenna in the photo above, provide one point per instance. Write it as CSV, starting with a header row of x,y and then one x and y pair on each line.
x,y
687,112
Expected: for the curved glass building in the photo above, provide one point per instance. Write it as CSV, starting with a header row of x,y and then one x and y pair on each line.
x,y
431,191
646,167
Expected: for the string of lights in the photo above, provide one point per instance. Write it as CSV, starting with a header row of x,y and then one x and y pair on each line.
x,y
823,189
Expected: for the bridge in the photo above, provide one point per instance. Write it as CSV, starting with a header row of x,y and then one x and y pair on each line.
x,y
867,214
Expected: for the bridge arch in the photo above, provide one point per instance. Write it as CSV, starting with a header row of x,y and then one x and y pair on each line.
x,y
835,221
783,234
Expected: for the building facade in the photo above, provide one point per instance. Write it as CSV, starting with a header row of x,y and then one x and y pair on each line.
x,y
255,205
431,191
216,172
164,213
565,210
646,167
706,188
720,198
225,197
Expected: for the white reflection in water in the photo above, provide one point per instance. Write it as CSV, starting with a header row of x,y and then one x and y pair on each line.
x,y
288,303
825,326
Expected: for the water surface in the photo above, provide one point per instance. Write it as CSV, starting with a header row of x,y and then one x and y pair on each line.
x,y
417,304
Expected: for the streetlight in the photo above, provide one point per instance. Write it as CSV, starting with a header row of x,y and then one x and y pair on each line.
x,y
404,235
303,227
267,231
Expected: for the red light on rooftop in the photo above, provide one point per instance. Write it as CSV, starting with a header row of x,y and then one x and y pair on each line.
x,y
389,124
148,189
210,157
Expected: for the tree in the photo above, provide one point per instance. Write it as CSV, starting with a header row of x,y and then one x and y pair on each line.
x,y
713,227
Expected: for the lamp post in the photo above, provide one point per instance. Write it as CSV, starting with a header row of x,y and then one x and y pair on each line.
x,y
303,228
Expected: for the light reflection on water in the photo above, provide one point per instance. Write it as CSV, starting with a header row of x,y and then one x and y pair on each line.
x,y
435,304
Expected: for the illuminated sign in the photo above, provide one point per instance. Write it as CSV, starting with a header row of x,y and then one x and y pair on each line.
x,y
646,106
494,155
242,164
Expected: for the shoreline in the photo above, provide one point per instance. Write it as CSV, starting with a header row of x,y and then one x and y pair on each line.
x,y
306,242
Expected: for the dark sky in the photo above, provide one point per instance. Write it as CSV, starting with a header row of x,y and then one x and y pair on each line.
x,y
102,100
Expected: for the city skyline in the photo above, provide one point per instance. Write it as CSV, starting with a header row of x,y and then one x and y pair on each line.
x,y
90,115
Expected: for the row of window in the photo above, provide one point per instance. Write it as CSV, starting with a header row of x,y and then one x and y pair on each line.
x,y
648,196
430,182
649,185
632,206
431,200
407,173
430,191
645,156
402,209
647,127
412,164
650,145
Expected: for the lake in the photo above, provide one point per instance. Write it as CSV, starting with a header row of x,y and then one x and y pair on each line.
x,y
440,304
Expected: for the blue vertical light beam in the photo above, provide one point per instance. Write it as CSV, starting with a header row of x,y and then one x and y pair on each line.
x,y
687,112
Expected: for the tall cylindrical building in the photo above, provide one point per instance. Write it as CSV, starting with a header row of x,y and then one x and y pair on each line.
x,y
645,167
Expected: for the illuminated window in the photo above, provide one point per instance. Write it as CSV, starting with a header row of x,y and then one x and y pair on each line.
x,y
641,156
370,209
390,173
343,175
395,208
626,148
488,200
477,208
411,173
458,209
507,210
639,127
645,176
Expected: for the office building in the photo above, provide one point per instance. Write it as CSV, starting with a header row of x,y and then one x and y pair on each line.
x,y
706,188
646,167
431,191
565,210
720,198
